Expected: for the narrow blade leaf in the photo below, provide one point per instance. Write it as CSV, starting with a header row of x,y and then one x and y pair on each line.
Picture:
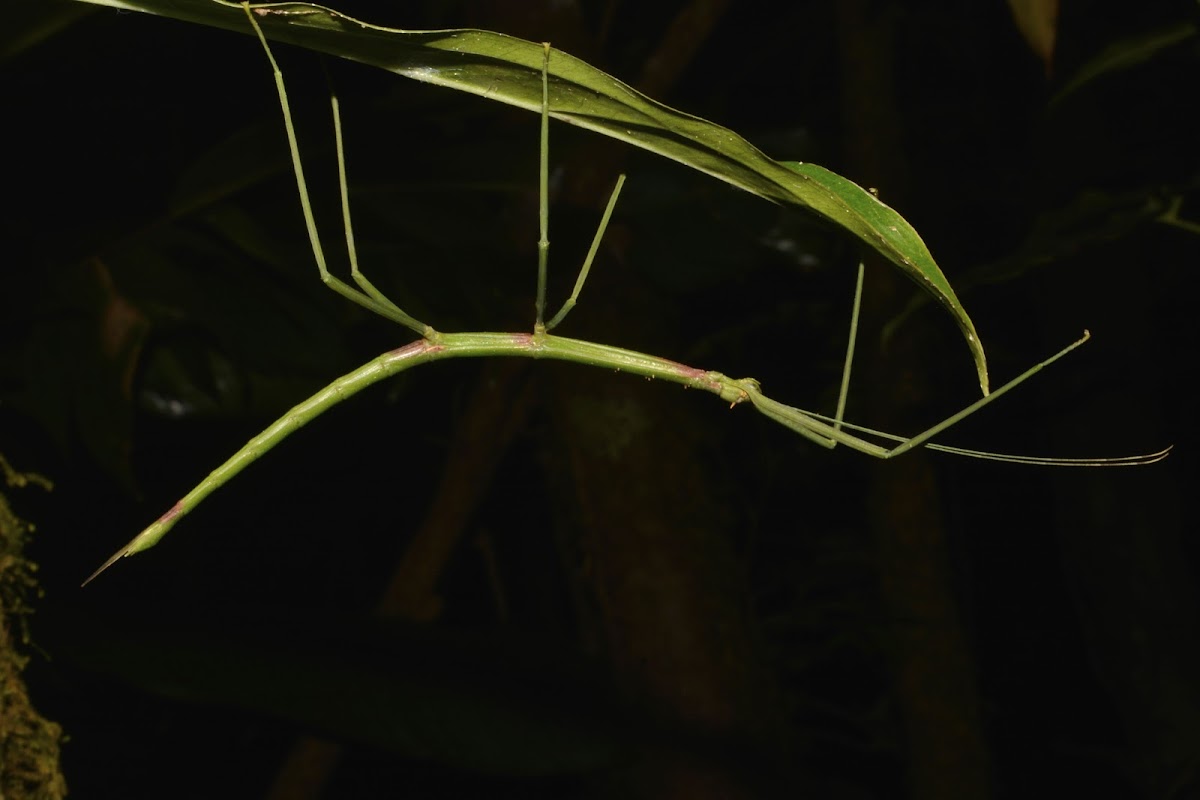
x,y
509,70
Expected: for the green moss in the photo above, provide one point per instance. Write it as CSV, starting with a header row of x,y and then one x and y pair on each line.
x,y
29,743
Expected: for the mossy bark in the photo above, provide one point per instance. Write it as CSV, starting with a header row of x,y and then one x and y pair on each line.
x,y
29,743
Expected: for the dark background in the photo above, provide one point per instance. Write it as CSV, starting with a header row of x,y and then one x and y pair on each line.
x,y
603,586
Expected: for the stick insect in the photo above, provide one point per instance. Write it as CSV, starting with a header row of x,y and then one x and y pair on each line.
x,y
540,343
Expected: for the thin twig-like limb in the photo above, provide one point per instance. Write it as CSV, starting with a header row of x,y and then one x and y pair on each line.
x,y
371,299
352,251
543,195
850,343
1010,458
778,412
821,430
587,262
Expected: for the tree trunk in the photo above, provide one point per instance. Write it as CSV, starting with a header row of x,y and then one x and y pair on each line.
x,y
933,671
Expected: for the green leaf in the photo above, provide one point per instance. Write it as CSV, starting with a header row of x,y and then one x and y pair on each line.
x,y
506,69
29,23
1126,54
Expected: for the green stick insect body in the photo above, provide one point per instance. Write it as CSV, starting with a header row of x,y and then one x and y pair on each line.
x,y
434,346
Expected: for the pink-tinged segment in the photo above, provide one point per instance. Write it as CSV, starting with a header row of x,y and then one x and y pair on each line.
x,y
691,373
414,349
176,510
